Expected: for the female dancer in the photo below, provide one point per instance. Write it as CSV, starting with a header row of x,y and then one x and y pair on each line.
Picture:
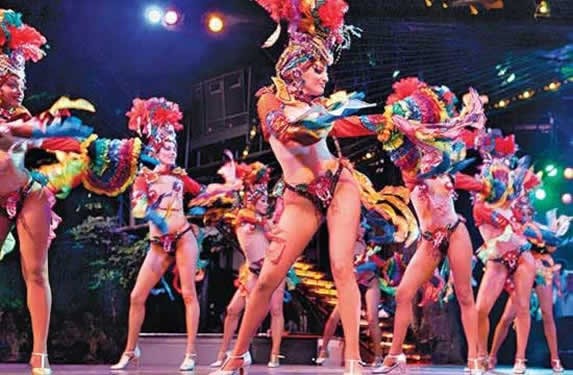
x,y
247,187
23,201
545,241
296,120
424,152
158,197
508,263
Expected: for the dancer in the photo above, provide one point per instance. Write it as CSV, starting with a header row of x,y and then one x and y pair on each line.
x,y
158,198
425,148
545,240
508,263
245,188
23,202
296,119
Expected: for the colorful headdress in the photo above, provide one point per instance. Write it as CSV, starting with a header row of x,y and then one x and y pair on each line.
x,y
19,43
255,177
316,31
156,119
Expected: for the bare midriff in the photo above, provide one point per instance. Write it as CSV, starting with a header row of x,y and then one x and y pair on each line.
x,y
12,177
171,208
434,203
302,164
252,240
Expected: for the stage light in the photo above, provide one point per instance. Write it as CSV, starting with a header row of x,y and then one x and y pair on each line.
x,y
540,194
395,74
568,173
566,198
215,23
171,17
543,9
153,14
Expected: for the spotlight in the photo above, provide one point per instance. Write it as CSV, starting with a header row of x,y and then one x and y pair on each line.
x,y
171,17
153,14
215,23
568,173
540,194
566,198
543,9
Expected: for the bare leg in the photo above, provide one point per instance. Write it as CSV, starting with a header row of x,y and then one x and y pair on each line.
x,y
330,327
33,226
544,292
502,328
186,261
460,258
419,270
234,310
523,279
154,266
372,298
491,286
343,218
293,238
277,319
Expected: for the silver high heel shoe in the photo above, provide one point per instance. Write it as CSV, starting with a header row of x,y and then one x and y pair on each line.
x,y
246,357
274,361
397,366
322,356
556,366
43,369
128,357
352,367
519,366
220,359
476,366
188,363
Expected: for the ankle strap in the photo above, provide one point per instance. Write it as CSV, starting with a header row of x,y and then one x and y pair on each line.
x,y
191,355
43,356
242,356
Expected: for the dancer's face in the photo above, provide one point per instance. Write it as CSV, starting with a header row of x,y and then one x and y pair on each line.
x,y
262,205
315,79
167,154
11,92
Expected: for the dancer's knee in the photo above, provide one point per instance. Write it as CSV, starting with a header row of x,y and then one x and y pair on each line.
x,y
404,295
37,275
343,272
465,298
189,298
137,298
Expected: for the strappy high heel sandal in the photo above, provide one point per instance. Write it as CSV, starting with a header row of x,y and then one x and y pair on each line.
x,y
556,366
220,359
491,362
322,356
128,357
188,363
352,367
237,371
44,368
519,366
476,366
397,365
274,361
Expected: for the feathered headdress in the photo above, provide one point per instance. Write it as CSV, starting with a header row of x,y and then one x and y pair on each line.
x,y
19,43
316,30
156,119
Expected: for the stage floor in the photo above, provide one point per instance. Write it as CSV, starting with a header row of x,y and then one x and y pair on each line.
x,y
16,369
